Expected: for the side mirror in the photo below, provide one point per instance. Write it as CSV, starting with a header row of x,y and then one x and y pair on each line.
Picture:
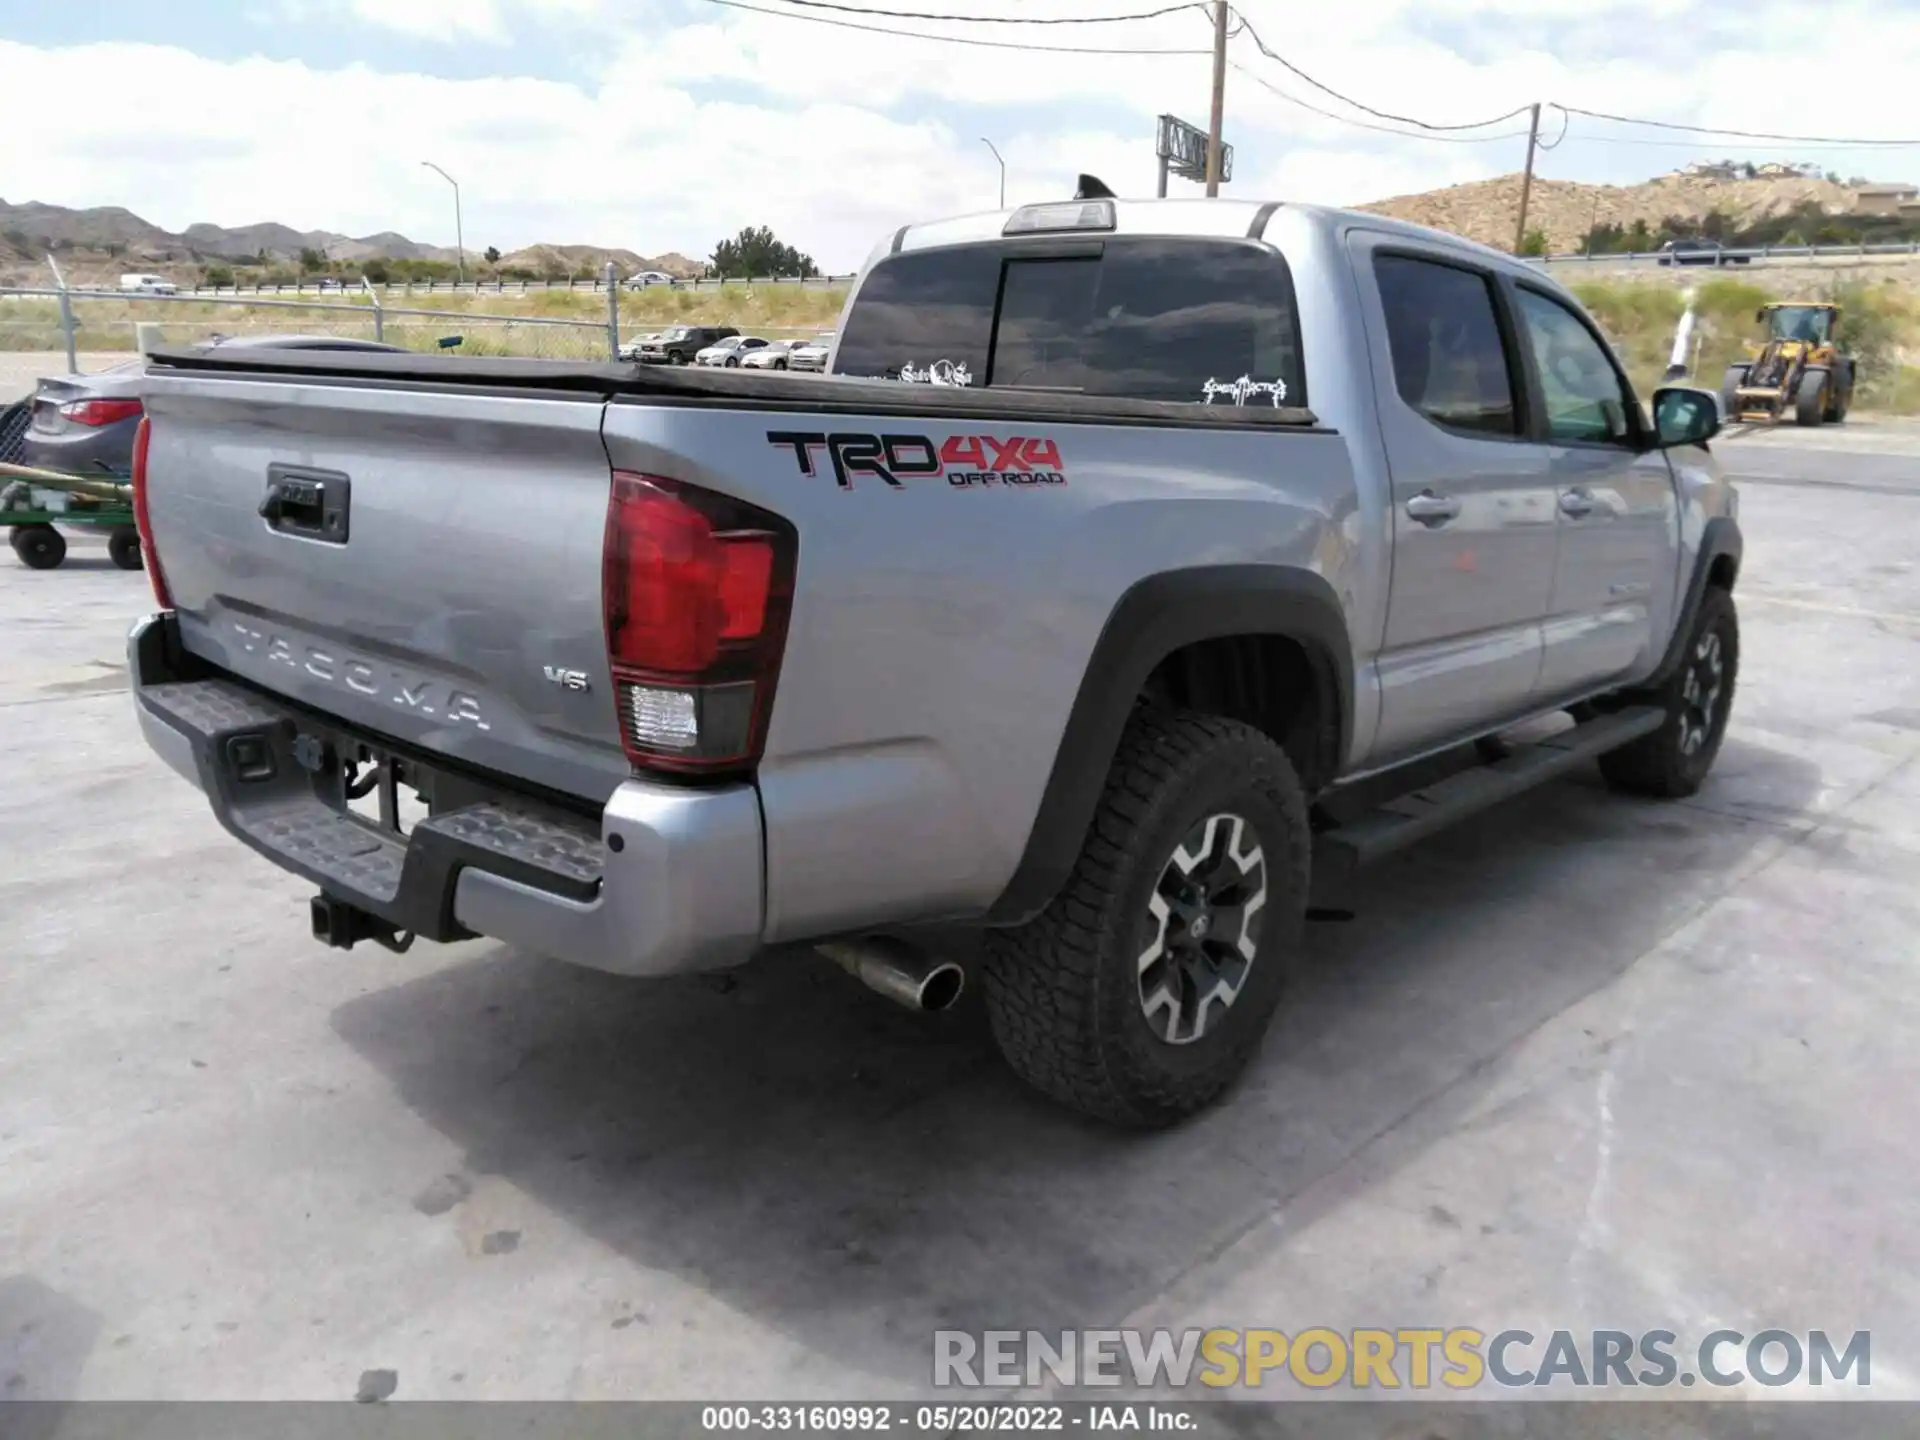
x,y
1760,317
1684,415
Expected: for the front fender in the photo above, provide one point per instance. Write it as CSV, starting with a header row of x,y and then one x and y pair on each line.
x,y
1717,560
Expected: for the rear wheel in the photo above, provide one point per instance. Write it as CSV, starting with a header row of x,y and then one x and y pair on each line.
x,y
1672,762
1144,989
40,547
1810,398
123,548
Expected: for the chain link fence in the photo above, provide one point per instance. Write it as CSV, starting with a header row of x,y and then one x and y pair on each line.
x,y
105,323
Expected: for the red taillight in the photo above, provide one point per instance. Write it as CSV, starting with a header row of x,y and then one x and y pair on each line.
x,y
101,412
696,589
142,435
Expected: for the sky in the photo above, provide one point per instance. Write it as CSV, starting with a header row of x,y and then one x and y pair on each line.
x,y
658,125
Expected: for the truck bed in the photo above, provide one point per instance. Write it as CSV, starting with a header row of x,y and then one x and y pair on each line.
x,y
941,621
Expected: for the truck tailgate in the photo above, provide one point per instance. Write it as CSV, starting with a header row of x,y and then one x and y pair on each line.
x,y
430,571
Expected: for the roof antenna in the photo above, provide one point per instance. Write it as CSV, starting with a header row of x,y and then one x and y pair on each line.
x,y
1092,188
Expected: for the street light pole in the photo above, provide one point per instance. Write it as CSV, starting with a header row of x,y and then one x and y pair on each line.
x,y
459,239
1003,169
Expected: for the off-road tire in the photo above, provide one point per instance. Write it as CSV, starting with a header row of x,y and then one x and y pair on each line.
x,y
1660,764
1730,384
1063,991
1840,398
123,548
40,547
1810,399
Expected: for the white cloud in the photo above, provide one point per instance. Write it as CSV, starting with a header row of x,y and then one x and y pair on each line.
x,y
451,21
670,135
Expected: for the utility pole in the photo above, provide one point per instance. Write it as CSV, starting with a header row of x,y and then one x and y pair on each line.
x,y
1526,182
1219,96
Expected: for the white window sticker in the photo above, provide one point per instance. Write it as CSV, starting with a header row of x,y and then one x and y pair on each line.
x,y
940,372
1243,390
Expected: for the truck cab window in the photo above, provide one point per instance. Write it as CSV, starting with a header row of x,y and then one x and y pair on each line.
x,y
1586,402
918,309
1203,321
1449,361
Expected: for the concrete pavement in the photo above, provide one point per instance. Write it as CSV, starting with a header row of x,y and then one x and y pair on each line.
x,y
1586,1061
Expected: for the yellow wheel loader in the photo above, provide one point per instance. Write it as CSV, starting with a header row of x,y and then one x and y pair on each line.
x,y
1796,370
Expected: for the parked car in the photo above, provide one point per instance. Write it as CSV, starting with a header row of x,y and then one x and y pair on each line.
x,y
811,354
678,344
644,278
728,351
86,423
772,355
1081,634
1698,252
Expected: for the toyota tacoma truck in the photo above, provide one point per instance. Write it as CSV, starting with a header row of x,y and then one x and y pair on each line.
x,y
1137,565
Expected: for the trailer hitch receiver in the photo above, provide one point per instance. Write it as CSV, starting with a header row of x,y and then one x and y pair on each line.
x,y
342,926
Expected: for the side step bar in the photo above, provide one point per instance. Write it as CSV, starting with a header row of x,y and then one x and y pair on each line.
x,y
1419,813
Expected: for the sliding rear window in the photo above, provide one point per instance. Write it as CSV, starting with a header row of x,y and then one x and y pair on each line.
x,y
1146,319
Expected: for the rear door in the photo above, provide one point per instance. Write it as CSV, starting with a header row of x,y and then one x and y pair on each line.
x,y
1614,501
1473,515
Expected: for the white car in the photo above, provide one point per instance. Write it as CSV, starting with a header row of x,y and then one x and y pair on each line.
x,y
770,356
811,355
644,278
148,285
728,352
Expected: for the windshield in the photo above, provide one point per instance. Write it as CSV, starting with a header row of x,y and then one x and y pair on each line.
x,y
1810,324
678,332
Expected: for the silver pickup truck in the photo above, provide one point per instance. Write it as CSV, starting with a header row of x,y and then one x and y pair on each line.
x,y
1129,561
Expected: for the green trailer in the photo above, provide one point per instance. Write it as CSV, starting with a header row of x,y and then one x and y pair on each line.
x,y
36,505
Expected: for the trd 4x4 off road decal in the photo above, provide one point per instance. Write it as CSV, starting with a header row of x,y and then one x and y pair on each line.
x,y
968,461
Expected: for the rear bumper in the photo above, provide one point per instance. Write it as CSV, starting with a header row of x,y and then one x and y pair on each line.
x,y
81,449
668,880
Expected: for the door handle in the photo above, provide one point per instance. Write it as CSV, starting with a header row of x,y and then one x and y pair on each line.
x,y
1576,503
1431,509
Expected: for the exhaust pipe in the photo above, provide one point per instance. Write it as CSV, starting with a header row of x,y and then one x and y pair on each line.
x,y
895,969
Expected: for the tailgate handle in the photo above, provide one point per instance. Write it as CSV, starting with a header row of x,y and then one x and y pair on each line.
x,y
311,504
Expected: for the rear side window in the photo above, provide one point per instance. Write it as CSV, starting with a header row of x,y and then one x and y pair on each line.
x,y
1449,361
1204,321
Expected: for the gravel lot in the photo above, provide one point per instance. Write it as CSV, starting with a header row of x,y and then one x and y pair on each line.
x,y
1584,1062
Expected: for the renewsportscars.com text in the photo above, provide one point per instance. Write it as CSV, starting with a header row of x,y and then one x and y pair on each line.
x,y
1459,1358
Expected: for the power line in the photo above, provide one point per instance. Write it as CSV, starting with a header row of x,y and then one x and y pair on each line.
x,y
1368,125
1744,134
1699,146
1349,100
1569,110
955,39
1566,124
991,19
